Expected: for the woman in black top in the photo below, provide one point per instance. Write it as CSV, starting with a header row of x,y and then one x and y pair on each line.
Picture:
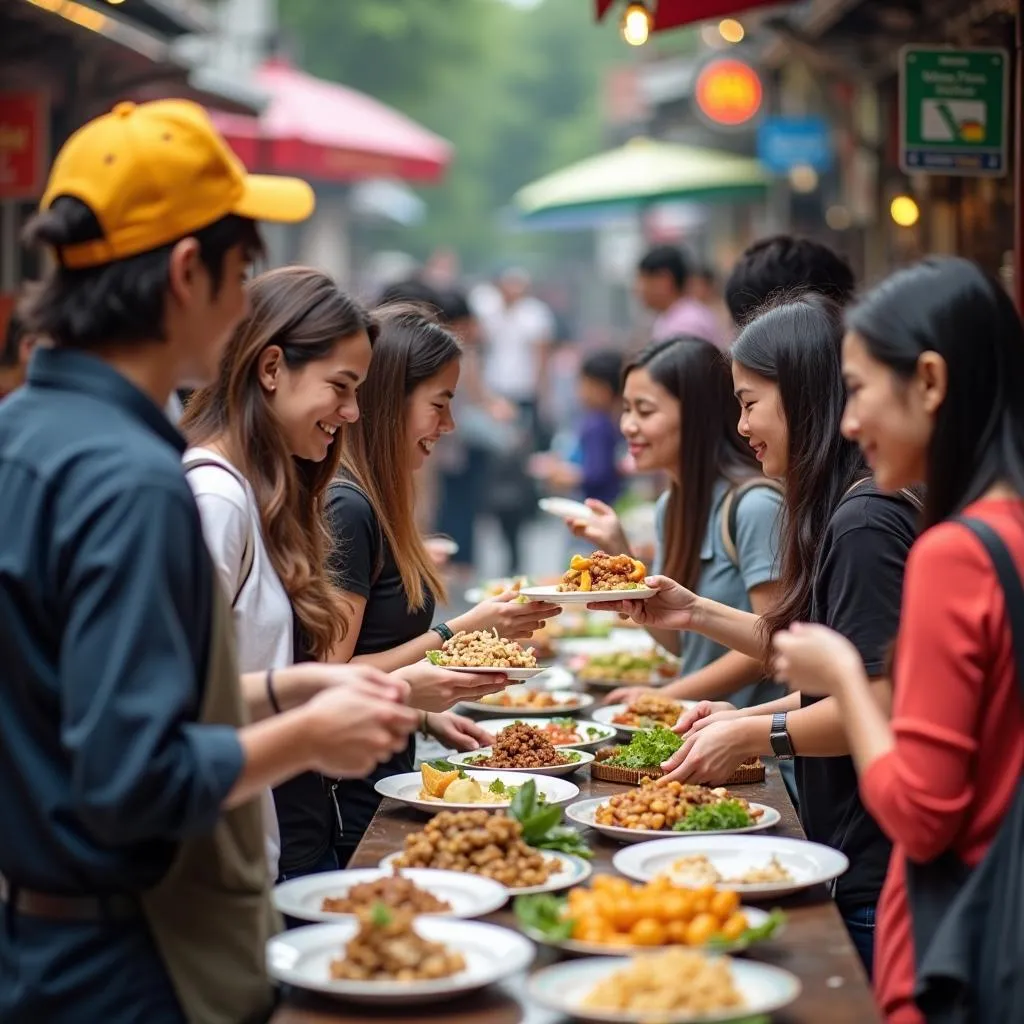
x,y
381,563
845,545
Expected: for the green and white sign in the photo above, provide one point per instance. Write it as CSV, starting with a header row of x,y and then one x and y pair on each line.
x,y
953,110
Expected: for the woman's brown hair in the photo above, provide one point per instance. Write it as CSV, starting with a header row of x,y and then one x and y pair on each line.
x,y
410,349
696,373
302,312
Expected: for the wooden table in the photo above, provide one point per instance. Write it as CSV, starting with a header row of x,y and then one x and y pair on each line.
x,y
814,945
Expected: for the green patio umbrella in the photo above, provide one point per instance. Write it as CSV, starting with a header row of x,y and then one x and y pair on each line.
x,y
642,172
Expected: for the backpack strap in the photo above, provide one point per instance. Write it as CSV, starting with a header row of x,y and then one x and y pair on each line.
x,y
378,559
730,511
248,546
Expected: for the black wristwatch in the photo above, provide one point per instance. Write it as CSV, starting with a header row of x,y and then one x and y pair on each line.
x,y
779,737
442,630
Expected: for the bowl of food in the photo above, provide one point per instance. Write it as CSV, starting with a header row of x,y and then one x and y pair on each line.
x,y
490,845
658,809
391,957
624,668
614,916
596,577
484,651
563,732
521,747
643,712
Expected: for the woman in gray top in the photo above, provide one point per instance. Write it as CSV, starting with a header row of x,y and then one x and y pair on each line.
x,y
718,523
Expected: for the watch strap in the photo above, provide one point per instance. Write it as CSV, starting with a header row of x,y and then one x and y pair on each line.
x,y
442,630
782,747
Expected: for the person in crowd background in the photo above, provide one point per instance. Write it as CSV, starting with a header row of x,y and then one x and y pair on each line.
x,y
782,267
933,360
14,355
381,563
662,286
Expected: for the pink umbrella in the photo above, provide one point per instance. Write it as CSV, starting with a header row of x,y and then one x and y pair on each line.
x,y
331,133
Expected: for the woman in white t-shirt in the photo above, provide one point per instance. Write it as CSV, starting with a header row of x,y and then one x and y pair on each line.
x,y
262,457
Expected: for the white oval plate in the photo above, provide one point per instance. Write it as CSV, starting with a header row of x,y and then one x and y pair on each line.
x,y
517,674
565,508
302,957
468,895
755,918
606,714
406,789
584,758
809,863
601,735
553,595
584,811
571,871
570,703
563,987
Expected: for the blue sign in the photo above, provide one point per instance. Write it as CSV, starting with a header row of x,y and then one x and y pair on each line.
x,y
787,142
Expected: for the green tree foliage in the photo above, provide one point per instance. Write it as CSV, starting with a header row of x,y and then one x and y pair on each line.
x,y
516,89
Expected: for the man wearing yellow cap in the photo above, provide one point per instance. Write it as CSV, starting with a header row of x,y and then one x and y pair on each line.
x,y
133,883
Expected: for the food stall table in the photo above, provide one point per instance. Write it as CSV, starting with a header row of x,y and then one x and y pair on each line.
x,y
813,945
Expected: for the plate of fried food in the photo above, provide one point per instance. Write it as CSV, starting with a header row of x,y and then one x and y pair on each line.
x,y
390,957
522,700
671,986
522,747
491,845
612,916
647,711
654,809
457,789
624,668
563,732
484,651
340,895
757,867
596,577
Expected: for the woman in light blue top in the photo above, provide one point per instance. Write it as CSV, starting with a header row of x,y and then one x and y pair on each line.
x,y
718,523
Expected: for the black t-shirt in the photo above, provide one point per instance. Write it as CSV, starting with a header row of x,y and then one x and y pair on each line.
x,y
858,581
364,565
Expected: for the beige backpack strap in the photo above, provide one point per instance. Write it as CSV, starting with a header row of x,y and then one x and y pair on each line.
x,y
730,508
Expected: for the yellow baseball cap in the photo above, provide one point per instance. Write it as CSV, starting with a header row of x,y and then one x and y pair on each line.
x,y
156,172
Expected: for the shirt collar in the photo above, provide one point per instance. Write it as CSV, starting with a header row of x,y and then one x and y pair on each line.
x,y
714,525
70,370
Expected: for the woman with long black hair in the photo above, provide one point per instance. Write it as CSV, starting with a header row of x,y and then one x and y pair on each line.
x,y
844,547
934,360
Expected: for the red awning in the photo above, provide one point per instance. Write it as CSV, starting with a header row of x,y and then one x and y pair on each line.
x,y
673,13
328,132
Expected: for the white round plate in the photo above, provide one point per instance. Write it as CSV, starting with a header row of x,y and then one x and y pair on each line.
x,y
565,508
584,758
302,957
628,640
570,703
582,813
732,856
571,871
564,986
468,895
445,545
592,734
606,715
517,674
406,789
553,595
755,918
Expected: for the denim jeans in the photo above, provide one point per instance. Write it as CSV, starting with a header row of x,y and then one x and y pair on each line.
x,y
860,923
328,862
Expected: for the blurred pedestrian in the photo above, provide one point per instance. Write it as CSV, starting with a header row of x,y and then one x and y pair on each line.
x,y
662,285
14,355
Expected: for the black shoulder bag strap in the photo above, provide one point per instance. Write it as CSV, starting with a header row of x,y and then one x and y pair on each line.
x,y
932,887
378,558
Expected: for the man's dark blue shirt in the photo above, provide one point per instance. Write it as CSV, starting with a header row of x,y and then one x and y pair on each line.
x,y
105,608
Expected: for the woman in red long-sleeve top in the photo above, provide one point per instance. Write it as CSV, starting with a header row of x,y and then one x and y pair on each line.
x,y
933,360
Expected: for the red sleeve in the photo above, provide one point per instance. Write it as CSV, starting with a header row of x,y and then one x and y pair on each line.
x,y
919,791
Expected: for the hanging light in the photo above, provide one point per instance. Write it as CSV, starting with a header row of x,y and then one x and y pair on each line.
x,y
904,211
731,30
636,23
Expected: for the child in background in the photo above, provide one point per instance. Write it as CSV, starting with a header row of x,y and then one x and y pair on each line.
x,y
592,469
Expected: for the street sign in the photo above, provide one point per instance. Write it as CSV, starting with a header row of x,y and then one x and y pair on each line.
x,y
787,142
953,110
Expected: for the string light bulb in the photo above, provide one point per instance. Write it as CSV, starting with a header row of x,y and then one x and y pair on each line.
x,y
636,23
731,30
904,211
